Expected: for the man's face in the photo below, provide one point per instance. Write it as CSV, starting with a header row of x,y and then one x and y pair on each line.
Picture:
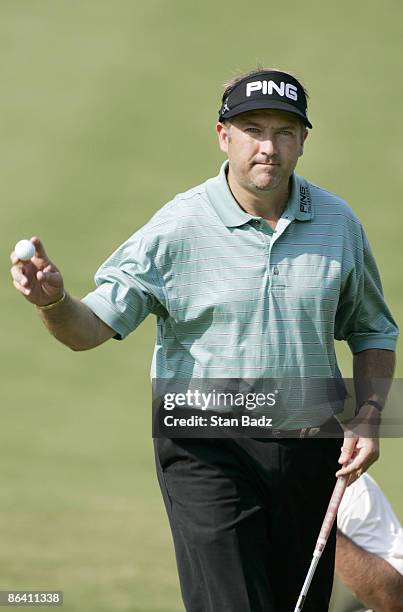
x,y
263,148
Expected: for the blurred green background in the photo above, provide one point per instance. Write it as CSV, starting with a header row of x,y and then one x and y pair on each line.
x,y
108,110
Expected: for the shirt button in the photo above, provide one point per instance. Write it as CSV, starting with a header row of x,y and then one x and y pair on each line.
x,y
276,270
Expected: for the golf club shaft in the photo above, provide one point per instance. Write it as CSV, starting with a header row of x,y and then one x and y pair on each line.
x,y
324,533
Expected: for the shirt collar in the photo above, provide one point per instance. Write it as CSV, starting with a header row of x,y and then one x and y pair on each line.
x,y
299,205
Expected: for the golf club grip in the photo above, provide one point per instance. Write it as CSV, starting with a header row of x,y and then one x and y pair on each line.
x,y
331,514
325,530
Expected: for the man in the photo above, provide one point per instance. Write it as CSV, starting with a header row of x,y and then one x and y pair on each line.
x,y
251,275
369,553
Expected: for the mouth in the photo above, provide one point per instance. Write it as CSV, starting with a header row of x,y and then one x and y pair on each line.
x,y
266,164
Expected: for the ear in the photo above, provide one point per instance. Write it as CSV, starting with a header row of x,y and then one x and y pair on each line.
x,y
223,132
304,137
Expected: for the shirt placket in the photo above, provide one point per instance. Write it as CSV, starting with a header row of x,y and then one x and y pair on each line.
x,y
274,272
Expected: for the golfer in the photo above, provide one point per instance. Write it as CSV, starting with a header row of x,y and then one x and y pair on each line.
x,y
251,275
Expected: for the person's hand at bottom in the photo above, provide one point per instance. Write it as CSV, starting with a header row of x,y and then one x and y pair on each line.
x,y
361,443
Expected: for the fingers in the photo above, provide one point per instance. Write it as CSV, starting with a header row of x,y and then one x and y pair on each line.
x,y
15,261
365,453
18,275
354,476
14,258
353,466
347,449
40,252
38,279
39,248
49,276
21,288
41,275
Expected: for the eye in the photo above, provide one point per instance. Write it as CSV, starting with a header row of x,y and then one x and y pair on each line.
x,y
286,132
252,130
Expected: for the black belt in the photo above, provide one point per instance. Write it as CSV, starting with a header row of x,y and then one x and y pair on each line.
x,y
304,432
330,428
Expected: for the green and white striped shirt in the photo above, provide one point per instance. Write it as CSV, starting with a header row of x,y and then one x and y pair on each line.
x,y
235,299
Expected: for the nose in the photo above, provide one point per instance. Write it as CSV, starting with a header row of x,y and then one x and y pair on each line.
x,y
268,146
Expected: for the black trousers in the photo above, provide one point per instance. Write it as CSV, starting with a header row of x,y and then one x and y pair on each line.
x,y
245,515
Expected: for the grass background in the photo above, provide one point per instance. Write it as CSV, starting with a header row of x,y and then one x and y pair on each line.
x,y
107,110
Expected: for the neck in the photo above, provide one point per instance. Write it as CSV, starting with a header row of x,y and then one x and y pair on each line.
x,y
269,205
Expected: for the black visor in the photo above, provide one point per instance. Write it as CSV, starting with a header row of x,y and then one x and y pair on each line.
x,y
266,89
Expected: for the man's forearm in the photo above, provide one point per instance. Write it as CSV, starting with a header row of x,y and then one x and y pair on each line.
x,y
373,374
372,580
75,325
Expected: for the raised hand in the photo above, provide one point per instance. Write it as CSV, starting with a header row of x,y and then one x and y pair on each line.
x,y
38,279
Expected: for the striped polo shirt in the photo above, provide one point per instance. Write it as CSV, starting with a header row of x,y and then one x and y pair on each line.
x,y
235,299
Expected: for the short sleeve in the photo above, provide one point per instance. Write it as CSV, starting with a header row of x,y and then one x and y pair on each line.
x,y
128,287
354,516
363,318
366,517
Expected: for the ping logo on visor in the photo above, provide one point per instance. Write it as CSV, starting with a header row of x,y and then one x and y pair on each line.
x,y
266,89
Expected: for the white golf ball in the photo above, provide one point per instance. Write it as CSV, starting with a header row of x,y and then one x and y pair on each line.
x,y
24,249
